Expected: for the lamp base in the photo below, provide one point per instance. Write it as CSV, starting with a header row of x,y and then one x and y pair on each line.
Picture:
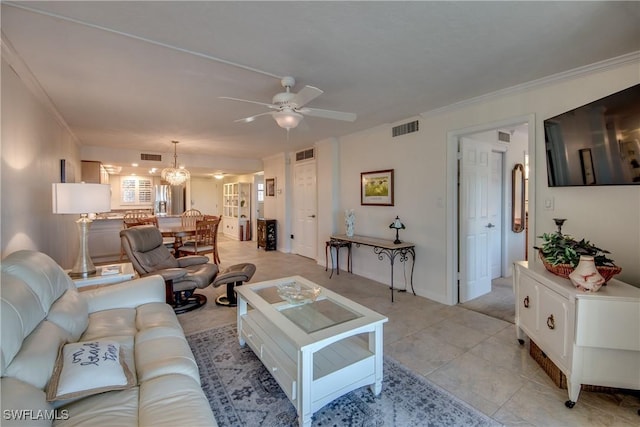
x,y
83,266
82,274
397,241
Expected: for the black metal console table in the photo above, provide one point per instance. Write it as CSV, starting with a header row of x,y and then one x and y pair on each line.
x,y
382,248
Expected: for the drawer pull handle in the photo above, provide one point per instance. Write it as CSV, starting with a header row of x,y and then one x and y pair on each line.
x,y
526,301
551,323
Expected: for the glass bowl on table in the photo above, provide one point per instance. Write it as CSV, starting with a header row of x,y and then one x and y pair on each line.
x,y
295,293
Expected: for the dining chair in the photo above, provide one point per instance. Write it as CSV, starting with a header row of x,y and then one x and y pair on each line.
x,y
204,241
215,236
189,217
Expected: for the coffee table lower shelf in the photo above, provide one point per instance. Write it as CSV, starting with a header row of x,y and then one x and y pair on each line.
x,y
314,376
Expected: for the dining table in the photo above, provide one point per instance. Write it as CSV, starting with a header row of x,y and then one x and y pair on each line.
x,y
178,232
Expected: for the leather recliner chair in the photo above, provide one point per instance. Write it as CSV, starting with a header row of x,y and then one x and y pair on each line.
x,y
148,255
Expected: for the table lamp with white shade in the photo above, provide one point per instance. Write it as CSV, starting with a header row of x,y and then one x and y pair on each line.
x,y
83,199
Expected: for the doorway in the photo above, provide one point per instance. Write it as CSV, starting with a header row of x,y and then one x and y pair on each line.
x,y
305,209
493,230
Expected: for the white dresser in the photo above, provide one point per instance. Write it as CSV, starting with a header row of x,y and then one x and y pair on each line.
x,y
593,338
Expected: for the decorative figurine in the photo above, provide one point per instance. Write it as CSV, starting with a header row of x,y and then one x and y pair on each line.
x,y
350,221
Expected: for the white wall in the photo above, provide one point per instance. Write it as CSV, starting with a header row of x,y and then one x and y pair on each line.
x,y
277,207
34,140
608,216
330,220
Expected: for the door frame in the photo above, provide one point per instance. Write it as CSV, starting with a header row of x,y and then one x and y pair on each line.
x,y
452,248
504,223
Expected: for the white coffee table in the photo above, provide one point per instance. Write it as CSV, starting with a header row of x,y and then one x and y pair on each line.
x,y
317,352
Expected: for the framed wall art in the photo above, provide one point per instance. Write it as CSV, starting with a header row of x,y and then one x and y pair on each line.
x,y
376,188
270,187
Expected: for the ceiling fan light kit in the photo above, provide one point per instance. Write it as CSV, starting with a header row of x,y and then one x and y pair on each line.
x,y
175,175
289,106
287,119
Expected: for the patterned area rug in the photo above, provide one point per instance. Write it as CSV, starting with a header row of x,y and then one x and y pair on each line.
x,y
243,393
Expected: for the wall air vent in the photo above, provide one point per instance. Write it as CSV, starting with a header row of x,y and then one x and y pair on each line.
x,y
404,129
504,136
152,157
305,155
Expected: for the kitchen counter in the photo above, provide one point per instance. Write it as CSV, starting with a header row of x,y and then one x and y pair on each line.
x,y
104,235
120,215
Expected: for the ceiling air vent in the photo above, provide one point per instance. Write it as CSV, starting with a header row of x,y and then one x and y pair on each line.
x,y
152,157
305,155
504,136
404,129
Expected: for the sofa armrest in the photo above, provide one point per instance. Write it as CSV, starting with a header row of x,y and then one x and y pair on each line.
x,y
128,294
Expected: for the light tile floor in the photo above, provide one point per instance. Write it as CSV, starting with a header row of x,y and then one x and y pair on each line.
x,y
475,357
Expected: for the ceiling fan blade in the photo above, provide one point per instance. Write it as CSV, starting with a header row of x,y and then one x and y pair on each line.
x,y
306,95
328,114
252,118
264,104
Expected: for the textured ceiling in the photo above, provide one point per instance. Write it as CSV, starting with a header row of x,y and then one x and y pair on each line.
x,y
136,75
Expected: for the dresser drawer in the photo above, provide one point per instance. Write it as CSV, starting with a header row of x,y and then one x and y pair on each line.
x,y
277,366
553,324
251,337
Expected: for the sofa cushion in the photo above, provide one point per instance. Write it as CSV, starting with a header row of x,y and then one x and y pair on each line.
x,y
114,408
159,398
41,273
21,312
25,397
163,351
111,322
156,314
70,312
87,368
32,283
35,361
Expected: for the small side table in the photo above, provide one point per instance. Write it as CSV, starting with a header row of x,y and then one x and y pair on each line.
x,y
106,275
337,244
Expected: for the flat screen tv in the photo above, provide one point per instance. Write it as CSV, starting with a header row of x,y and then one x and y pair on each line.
x,y
597,143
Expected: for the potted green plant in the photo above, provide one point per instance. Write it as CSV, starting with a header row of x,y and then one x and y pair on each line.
x,y
560,254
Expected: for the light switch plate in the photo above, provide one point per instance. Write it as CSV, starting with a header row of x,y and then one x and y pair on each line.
x,y
549,204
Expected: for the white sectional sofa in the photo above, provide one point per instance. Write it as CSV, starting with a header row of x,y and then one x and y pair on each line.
x,y
42,310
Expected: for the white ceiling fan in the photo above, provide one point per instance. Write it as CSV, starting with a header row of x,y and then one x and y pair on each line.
x,y
290,107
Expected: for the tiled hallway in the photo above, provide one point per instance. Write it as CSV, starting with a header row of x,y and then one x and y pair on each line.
x,y
475,357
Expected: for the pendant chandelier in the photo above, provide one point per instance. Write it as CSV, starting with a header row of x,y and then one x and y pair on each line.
x,y
175,175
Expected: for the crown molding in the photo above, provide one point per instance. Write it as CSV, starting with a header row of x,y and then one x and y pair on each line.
x,y
539,83
142,39
23,72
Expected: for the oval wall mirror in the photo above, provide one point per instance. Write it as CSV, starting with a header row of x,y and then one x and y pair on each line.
x,y
517,198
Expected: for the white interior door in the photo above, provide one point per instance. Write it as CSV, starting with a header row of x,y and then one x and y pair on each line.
x,y
205,195
305,209
475,225
495,213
